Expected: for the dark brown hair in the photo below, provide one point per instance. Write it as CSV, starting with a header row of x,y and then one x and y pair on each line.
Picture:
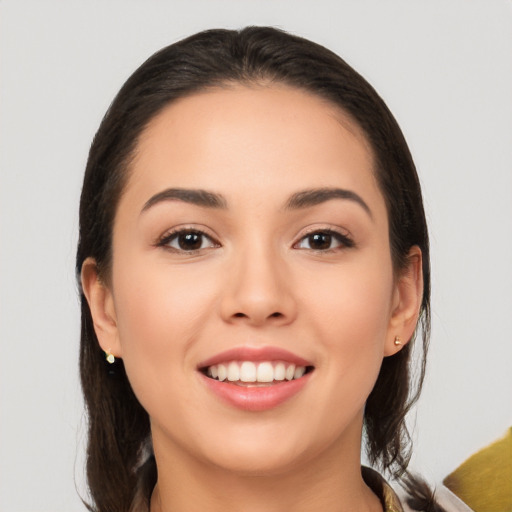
x,y
118,425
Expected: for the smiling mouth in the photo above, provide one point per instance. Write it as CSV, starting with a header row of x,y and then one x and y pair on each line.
x,y
255,374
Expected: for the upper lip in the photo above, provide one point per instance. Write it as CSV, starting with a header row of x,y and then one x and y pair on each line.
x,y
254,354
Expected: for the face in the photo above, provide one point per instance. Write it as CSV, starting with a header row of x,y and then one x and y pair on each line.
x,y
252,297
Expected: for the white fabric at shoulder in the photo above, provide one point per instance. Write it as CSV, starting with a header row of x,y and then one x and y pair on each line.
x,y
449,501
444,498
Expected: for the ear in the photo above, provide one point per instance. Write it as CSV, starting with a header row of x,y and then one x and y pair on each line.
x,y
101,304
407,298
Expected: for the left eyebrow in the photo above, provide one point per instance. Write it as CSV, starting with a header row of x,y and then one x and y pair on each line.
x,y
198,197
313,197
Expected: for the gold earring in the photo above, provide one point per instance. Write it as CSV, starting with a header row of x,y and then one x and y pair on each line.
x,y
110,357
398,341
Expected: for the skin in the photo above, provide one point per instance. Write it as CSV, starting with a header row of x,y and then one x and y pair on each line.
x,y
255,281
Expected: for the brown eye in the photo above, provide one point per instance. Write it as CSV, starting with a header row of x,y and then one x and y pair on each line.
x,y
188,241
324,241
320,241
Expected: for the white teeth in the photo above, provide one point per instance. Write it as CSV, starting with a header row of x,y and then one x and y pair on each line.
x,y
222,372
299,372
290,372
265,372
233,372
279,371
249,371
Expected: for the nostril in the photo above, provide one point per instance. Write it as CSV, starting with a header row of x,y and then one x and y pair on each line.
x,y
257,317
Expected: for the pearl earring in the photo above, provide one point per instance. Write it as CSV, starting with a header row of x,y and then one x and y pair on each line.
x,y
110,357
398,341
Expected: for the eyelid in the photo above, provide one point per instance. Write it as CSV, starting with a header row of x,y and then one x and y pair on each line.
x,y
342,235
170,234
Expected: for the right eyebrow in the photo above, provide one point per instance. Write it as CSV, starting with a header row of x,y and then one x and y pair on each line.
x,y
312,197
198,197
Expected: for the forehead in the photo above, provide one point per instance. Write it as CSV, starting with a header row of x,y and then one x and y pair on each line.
x,y
259,137
274,106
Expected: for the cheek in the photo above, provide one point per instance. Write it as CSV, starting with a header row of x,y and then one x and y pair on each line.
x,y
356,295
352,309
159,316
158,303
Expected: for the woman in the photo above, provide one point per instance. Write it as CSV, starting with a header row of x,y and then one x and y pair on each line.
x,y
254,265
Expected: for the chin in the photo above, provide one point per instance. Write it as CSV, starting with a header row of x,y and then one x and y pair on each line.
x,y
257,463
260,453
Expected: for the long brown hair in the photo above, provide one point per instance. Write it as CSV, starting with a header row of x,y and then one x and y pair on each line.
x,y
118,429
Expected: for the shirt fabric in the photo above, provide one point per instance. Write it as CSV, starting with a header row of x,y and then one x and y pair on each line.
x,y
388,498
391,503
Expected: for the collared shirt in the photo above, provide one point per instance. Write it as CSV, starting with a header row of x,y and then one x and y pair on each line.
x,y
386,494
445,499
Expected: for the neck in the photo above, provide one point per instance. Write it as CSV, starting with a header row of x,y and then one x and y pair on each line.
x,y
331,482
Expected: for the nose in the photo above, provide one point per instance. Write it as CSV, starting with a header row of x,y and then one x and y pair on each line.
x,y
258,291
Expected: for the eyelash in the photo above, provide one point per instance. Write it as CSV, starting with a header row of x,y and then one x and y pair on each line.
x,y
166,240
342,240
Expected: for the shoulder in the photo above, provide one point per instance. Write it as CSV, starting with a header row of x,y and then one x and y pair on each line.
x,y
415,495
449,501
389,499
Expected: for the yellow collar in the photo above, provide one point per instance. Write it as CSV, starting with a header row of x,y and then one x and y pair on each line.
x,y
382,489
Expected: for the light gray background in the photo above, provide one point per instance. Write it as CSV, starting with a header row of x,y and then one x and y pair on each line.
x,y
445,69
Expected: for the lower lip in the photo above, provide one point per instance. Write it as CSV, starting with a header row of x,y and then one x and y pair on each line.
x,y
256,398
